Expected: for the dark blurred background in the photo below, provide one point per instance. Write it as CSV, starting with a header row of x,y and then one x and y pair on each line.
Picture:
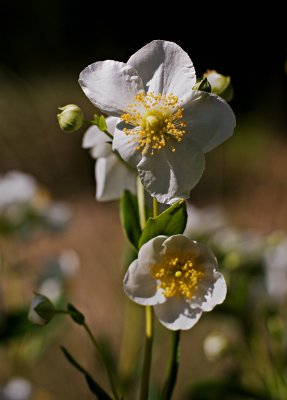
x,y
45,44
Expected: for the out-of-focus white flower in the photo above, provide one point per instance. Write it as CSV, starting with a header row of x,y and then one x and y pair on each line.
x,y
275,261
69,262
112,174
177,276
166,127
203,222
243,246
52,288
17,389
214,346
57,214
41,310
16,188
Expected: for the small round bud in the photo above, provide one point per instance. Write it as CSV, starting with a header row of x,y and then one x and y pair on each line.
x,y
71,118
220,84
41,311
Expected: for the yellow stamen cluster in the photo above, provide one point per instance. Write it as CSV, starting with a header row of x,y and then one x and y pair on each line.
x,y
157,119
178,275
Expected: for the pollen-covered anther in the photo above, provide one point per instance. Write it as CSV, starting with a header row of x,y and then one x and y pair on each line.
x,y
177,276
157,119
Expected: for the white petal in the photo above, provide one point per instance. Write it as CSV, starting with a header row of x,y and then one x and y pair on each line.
x,y
180,244
176,314
126,147
112,178
218,293
151,252
111,124
206,256
210,120
169,176
165,68
97,140
140,286
110,85
211,291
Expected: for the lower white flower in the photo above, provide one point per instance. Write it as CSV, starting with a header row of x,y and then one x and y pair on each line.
x,y
177,276
113,176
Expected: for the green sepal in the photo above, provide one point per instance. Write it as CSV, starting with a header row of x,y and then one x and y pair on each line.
x,y
94,387
75,314
96,119
170,222
202,85
102,123
130,217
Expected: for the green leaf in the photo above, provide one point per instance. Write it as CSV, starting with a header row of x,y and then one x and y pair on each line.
x,y
224,390
94,387
102,123
130,217
75,314
170,222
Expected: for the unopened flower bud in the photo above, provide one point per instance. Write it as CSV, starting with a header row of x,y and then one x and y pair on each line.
x,y
203,85
220,84
71,118
41,311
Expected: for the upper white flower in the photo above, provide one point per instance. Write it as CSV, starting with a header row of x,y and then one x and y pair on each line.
x,y
112,175
177,276
166,127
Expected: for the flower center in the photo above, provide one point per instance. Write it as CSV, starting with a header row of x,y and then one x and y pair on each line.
x,y
157,121
177,276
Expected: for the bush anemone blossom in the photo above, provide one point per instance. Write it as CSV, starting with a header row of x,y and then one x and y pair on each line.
x,y
165,127
177,276
113,175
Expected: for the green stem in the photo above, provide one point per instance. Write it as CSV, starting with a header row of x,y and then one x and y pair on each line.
x,y
155,207
98,348
141,203
144,389
94,123
147,354
173,367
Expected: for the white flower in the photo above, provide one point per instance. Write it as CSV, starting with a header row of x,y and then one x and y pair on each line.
x,y
166,127
57,214
214,345
245,246
275,262
17,389
205,221
16,188
69,263
177,276
113,176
